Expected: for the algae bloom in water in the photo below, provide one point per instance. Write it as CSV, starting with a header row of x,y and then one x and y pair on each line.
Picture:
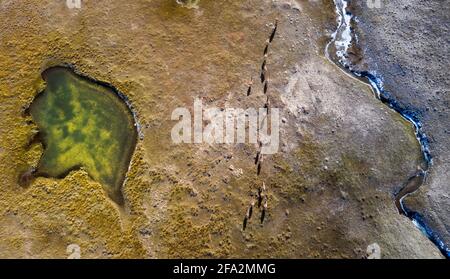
x,y
84,124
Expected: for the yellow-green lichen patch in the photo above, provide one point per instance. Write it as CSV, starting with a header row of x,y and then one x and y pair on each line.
x,y
83,125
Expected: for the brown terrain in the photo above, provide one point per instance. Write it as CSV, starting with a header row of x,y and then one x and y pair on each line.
x,y
331,187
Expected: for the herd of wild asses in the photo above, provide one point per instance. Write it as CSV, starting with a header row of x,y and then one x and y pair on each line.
x,y
261,198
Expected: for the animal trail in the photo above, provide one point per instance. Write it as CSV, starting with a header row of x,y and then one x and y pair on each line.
x,y
262,197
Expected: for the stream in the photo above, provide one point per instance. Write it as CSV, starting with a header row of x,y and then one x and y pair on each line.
x,y
336,51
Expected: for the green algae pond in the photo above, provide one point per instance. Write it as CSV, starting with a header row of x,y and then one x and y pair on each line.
x,y
84,124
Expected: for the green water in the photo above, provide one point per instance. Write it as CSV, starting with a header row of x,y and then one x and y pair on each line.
x,y
83,125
